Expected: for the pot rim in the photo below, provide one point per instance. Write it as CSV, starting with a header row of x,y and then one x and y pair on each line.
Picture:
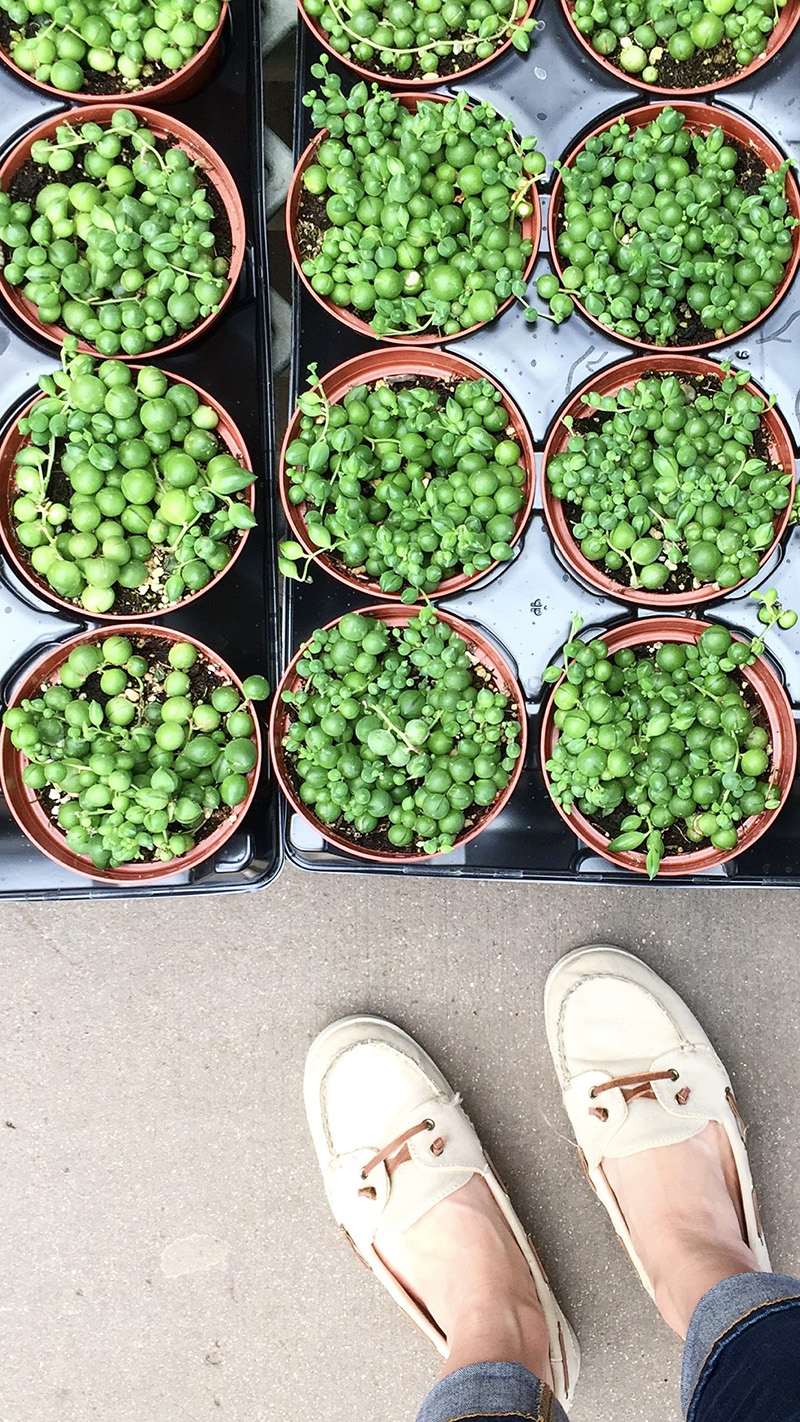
x,y
397,80
199,150
609,381
20,798
234,442
700,117
399,614
180,85
367,369
531,231
789,17
770,692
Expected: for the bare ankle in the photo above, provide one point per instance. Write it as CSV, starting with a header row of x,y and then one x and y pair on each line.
x,y
501,1330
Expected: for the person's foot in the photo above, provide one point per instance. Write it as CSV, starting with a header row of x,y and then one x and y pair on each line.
x,y
657,1125
462,1264
408,1180
682,1205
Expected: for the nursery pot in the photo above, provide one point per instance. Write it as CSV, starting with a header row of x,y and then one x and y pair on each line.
x,y
610,382
790,14
13,441
388,365
700,118
763,681
397,80
531,230
165,127
36,824
179,85
482,652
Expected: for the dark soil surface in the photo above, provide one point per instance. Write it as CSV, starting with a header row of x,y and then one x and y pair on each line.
x,y
750,172
312,222
676,842
31,177
682,579
378,841
202,682
94,82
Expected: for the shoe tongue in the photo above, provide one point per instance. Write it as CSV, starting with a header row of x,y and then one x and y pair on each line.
x,y
411,1195
647,1125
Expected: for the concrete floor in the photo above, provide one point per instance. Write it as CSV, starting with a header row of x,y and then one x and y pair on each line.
x,y
167,1251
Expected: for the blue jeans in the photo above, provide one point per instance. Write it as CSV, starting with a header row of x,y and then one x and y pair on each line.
x,y
741,1362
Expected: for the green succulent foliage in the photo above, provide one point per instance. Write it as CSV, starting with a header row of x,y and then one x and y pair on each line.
x,y
124,254
394,731
657,229
665,737
637,35
67,43
422,224
129,756
392,36
671,483
154,500
405,484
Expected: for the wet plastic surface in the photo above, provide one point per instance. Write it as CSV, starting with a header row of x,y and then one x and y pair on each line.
x,y
559,94
238,618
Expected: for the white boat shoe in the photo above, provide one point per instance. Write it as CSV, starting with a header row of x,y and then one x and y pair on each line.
x,y
375,1102
637,1070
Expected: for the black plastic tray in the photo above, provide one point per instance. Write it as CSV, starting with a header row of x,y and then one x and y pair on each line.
x,y
559,94
238,617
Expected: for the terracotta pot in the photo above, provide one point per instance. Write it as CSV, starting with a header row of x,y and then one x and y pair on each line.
x,y
396,80
783,736
180,85
789,17
37,825
531,230
163,126
609,382
233,442
701,118
386,365
483,652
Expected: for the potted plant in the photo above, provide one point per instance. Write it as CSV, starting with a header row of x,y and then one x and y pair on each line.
x,y
686,52
86,51
120,226
412,44
130,755
668,480
123,491
668,745
399,733
397,240
405,472
674,227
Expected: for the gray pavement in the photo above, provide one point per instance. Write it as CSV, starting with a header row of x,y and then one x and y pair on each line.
x,y
166,1249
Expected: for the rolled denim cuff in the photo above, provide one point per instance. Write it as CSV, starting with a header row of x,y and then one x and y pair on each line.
x,y
491,1390
720,1310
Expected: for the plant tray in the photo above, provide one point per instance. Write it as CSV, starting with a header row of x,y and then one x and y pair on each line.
x,y
238,617
560,94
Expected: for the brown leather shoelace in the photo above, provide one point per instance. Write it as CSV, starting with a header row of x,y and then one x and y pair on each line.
x,y
635,1087
396,1152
